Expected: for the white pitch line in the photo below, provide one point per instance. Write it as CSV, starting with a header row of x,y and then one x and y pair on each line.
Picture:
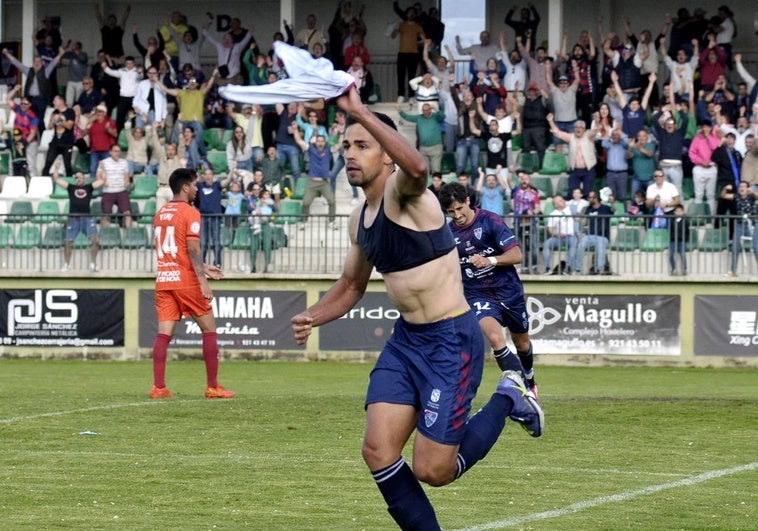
x,y
11,420
621,497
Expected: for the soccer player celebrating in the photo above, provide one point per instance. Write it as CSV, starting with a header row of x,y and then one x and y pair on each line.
x,y
488,252
181,286
428,372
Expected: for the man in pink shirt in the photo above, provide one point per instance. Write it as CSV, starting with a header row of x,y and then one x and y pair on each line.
x,y
704,171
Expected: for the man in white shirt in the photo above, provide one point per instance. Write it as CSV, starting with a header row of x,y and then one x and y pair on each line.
x,y
560,226
129,77
663,191
115,172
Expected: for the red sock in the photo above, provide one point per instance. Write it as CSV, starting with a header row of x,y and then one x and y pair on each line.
x,y
160,352
210,355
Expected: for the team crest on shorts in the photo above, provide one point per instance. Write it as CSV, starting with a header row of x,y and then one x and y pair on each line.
x,y
430,417
478,233
436,395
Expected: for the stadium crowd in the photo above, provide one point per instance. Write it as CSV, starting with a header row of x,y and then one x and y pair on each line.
x,y
652,125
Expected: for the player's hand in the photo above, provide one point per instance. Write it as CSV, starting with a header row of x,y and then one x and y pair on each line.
x,y
479,261
302,325
207,292
214,272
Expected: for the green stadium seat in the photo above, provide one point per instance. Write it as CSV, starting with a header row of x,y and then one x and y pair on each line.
x,y
5,162
82,163
28,237
144,188
699,213
517,142
619,213
110,237
376,94
655,240
688,189
81,241
300,186
7,238
123,143
529,161
218,161
135,238
21,211
96,209
148,212
544,186
290,211
554,163
211,137
627,239
691,245
226,236
243,238
715,240
48,212
134,209
562,188
448,163
226,136
62,193
54,237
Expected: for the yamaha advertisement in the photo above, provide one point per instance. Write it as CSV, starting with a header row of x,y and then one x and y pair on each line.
x,y
245,320
62,317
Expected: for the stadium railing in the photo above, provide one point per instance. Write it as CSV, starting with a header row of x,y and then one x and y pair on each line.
x,y
33,243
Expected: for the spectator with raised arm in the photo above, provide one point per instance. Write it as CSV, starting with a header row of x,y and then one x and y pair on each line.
x,y
228,56
129,77
25,128
37,88
479,53
79,215
681,71
582,158
190,44
429,130
526,26
177,22
112,31
408,56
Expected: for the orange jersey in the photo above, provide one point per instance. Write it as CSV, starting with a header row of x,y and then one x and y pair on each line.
x,y
173,226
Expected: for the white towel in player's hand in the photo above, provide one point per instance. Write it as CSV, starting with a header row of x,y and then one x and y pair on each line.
x,y
309,79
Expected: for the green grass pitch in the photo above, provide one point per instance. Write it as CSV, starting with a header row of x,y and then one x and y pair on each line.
x,y
82,446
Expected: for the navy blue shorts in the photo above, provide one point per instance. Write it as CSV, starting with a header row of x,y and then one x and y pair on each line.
x,y
434,367
514,317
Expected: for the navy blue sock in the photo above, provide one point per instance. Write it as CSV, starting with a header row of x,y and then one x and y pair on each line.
x,y
482,431
527,359
406,500
507,361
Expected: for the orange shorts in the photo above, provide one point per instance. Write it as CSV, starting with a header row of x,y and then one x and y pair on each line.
x,y
171,305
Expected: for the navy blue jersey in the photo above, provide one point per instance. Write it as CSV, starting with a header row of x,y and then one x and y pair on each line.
x,y
487,235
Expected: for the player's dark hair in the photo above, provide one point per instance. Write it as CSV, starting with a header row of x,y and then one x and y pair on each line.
x,y
452,193
382,117
180,177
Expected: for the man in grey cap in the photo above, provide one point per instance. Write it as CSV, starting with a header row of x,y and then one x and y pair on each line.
x,y
564,102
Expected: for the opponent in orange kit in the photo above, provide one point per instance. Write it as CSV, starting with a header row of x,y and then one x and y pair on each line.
x,y
181,286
